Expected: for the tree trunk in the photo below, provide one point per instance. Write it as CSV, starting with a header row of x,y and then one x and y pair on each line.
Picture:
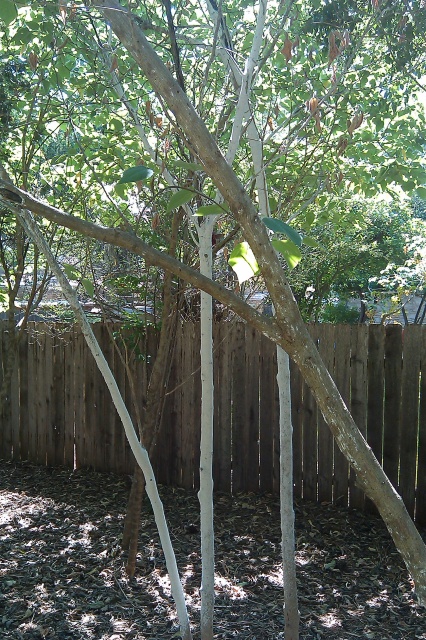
x,y
132,520
291,609
155,397
205,494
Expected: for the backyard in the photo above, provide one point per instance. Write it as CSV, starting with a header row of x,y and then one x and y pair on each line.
x,y
62,568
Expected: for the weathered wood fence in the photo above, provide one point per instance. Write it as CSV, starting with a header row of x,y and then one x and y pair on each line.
x,y
61,412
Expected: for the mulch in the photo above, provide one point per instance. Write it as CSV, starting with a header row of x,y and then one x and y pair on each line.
x,y
62,569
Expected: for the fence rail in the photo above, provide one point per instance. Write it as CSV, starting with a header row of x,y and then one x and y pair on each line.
x,y
60,412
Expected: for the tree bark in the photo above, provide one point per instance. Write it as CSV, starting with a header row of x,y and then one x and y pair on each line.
x,y
205,493
151,419
291,609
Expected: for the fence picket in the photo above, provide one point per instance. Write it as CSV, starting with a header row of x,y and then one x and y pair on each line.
x,y
420,514
267,418
359,359
239,433
68,354
222,409
5,431
23,398
310,436
342,378
250,461
409,416
297,420
392,419
325,437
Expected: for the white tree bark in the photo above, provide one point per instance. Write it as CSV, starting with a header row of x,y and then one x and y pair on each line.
x,y
291,610
139,451
205,494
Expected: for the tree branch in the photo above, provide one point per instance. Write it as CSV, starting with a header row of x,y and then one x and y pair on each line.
x,y
132,243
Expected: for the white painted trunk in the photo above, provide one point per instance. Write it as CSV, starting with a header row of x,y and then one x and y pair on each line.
x,y
205,494
139,451
291,612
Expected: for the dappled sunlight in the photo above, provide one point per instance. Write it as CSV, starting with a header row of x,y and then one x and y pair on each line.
x,y
330,620
62,567
228,588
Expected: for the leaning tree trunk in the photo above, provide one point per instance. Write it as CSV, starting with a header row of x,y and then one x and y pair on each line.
x,y
295,338
149,430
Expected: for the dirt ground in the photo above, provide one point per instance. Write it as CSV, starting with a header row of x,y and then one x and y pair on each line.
x,y
62,570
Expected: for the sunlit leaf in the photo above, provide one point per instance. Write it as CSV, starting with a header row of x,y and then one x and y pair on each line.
x,y
179,198
71,272
89,287
289,250
310,242
209,210
191,166
8,11
134,174
278,226
243,262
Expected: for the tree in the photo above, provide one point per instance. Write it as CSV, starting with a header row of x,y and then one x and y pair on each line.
x,y
351,255
317,144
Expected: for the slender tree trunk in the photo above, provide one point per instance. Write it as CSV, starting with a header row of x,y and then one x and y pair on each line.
x,y
149,430
291,609
132,520
139,451
205,494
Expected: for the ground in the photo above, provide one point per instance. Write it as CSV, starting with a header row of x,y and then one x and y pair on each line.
x,y
62,570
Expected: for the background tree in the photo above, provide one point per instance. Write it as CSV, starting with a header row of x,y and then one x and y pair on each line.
x,y
350,256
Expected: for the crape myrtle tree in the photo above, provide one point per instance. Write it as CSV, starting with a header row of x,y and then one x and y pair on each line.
x,y
331,95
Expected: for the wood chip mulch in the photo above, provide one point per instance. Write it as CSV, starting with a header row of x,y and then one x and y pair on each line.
x,y
62,569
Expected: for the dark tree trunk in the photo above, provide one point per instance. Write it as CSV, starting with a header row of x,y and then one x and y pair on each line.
x,y
152,415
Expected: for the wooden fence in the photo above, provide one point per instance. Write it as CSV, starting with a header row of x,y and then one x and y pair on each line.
x,y
61,412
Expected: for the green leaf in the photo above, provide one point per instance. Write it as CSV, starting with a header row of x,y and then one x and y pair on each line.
x,y
288,249
71,272
421,192
89,287
278,226
135,174
8,11
243,262
120,190
179,198
191,166
209,210
310,242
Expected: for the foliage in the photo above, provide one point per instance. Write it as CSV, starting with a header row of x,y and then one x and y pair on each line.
x,y
351,257
339,313
333,121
